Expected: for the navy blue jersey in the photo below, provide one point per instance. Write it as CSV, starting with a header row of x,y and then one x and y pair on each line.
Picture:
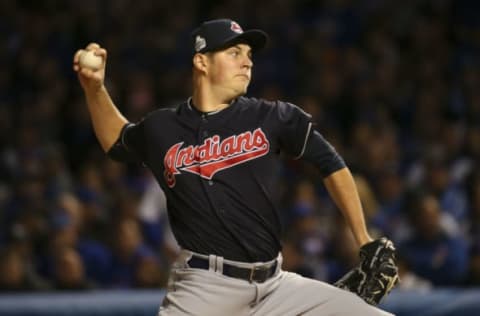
x,y
218,171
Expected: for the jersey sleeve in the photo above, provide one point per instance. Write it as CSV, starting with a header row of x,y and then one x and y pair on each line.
x,y
130,145
294,129
322,154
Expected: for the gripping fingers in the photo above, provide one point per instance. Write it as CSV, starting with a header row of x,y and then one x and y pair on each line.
x,y
76,58
102,53
87,72
97,49
90,47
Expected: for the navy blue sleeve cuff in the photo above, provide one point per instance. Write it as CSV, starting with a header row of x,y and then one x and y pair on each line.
x,y
119,151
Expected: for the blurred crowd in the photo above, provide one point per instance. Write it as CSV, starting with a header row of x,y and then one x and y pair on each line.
x,y
393,85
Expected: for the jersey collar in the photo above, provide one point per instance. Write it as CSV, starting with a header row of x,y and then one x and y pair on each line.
x,y
192,108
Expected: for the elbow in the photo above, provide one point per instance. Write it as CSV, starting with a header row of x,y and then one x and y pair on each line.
x,y
108,146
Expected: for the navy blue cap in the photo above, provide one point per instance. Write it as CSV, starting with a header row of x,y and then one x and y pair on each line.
x,y
218,34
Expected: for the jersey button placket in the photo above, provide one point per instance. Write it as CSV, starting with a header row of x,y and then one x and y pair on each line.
x,y
203,136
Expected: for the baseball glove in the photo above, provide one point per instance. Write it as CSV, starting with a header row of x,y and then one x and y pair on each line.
x,y
376,274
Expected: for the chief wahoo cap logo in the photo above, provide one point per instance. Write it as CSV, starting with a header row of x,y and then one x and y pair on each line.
x,y
234,26
200,43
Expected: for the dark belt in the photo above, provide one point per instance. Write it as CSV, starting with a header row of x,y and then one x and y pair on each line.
x,y
258,273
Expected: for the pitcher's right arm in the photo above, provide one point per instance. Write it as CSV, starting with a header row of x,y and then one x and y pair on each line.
x,y
106,118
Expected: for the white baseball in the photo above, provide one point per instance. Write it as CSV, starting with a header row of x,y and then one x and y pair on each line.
x,y
89,60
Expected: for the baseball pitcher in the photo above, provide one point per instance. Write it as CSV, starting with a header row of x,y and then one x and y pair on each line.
x,y
213,156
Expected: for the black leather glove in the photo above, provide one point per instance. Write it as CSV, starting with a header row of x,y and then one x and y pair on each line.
x,y
376,274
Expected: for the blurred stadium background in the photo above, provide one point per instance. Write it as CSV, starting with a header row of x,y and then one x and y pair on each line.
x,y
393,85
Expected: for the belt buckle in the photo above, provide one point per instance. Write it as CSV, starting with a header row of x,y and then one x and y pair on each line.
x,y
252,273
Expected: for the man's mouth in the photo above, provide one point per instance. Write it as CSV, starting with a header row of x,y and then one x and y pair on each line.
x,y
244,76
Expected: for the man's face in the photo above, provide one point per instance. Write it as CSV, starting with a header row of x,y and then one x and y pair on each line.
x,y
231,69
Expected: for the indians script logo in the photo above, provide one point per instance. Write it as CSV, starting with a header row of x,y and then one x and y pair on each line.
x,y
214,155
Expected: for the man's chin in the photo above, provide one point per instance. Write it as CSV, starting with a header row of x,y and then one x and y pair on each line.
x,y
240,91
239,94
243,91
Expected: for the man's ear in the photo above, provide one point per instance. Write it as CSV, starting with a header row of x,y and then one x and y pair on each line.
x,y
200,62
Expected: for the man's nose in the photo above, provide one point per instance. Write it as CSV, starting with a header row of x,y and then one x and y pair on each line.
x,y
248,62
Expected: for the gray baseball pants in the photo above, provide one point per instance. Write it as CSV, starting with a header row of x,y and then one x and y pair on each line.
x,y
210,293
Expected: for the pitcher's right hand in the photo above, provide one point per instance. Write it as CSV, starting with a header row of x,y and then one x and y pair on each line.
x,y
91,80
